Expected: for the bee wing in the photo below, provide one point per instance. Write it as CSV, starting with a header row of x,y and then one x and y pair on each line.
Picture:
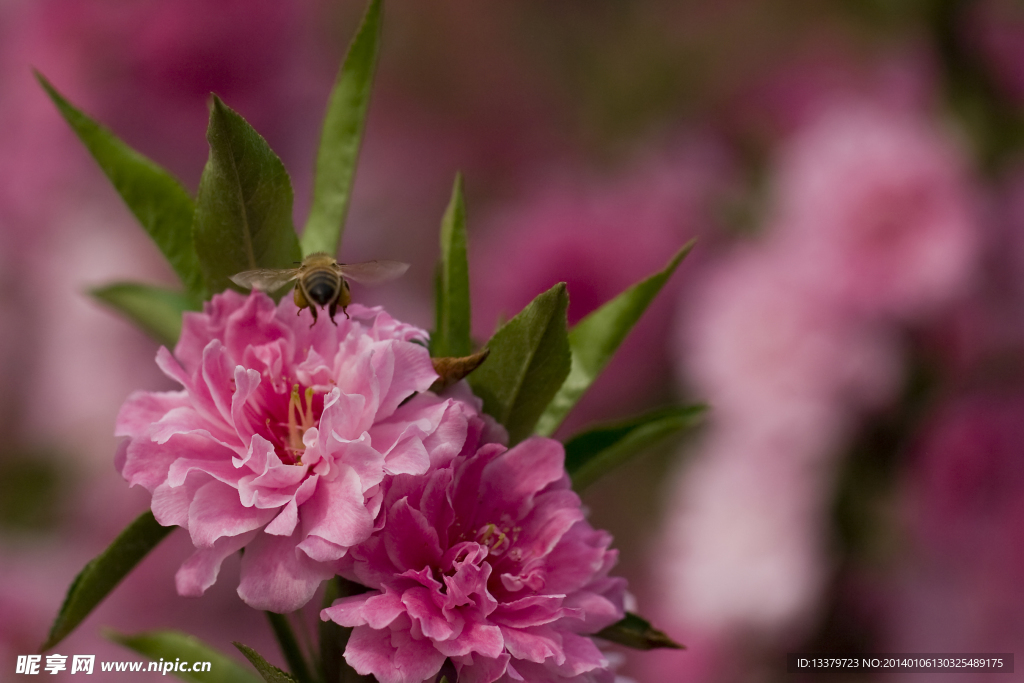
x,y
373,272
266,279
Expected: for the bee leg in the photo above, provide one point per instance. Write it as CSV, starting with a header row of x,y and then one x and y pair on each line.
x,y
332,310
312,309
345,298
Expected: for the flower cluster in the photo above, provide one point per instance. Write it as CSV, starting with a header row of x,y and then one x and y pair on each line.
x,y
790,338
320,450
281,437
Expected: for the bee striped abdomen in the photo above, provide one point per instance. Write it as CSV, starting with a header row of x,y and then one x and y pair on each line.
x,y
322,285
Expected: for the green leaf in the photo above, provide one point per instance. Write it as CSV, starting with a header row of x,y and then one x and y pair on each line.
x,y
595,339
243,216
290,646
269,672
529,361
171,646
451,333
595,452
104,572
341,136
636,632
153,195
154,309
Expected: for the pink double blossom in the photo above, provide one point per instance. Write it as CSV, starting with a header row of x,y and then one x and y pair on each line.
x,y
877,204
488,562
281,438
767,348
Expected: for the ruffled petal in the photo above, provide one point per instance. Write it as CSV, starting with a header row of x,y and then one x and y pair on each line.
x,y
199,572
392,656
276,577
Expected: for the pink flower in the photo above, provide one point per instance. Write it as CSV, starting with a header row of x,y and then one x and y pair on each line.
x,y
489,562
765,347
282,436
742,548
876,203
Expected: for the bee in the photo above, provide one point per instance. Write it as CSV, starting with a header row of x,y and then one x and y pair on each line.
x,y
321,280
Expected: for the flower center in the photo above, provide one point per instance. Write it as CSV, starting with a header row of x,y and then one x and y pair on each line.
x,y
497,539
300,418
285,426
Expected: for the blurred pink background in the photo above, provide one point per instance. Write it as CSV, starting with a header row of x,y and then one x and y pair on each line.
x,y
853,312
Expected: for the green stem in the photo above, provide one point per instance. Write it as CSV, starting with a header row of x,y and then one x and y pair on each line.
x,y
290,647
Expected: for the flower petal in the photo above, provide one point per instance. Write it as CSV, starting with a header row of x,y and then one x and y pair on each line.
x,y
276,577
199,572
392,656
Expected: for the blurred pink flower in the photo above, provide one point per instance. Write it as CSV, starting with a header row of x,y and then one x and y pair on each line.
x,y
765,347
488,561
877,206
288,430
744,550
784,370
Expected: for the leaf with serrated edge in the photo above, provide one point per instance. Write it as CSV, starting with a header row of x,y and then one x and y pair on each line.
x,y
154,196
154,309
243,218
529,360
171,646
636,632
596,338
451,334
104,572
269,672
341,137
590,455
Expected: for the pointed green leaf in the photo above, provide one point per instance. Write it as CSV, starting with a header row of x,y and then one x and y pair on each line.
x,y
269,672
451,333
341,136
595,339
174,646
153,195
154,309
243,216
636,632
595,452
529,361
290,646
104,572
